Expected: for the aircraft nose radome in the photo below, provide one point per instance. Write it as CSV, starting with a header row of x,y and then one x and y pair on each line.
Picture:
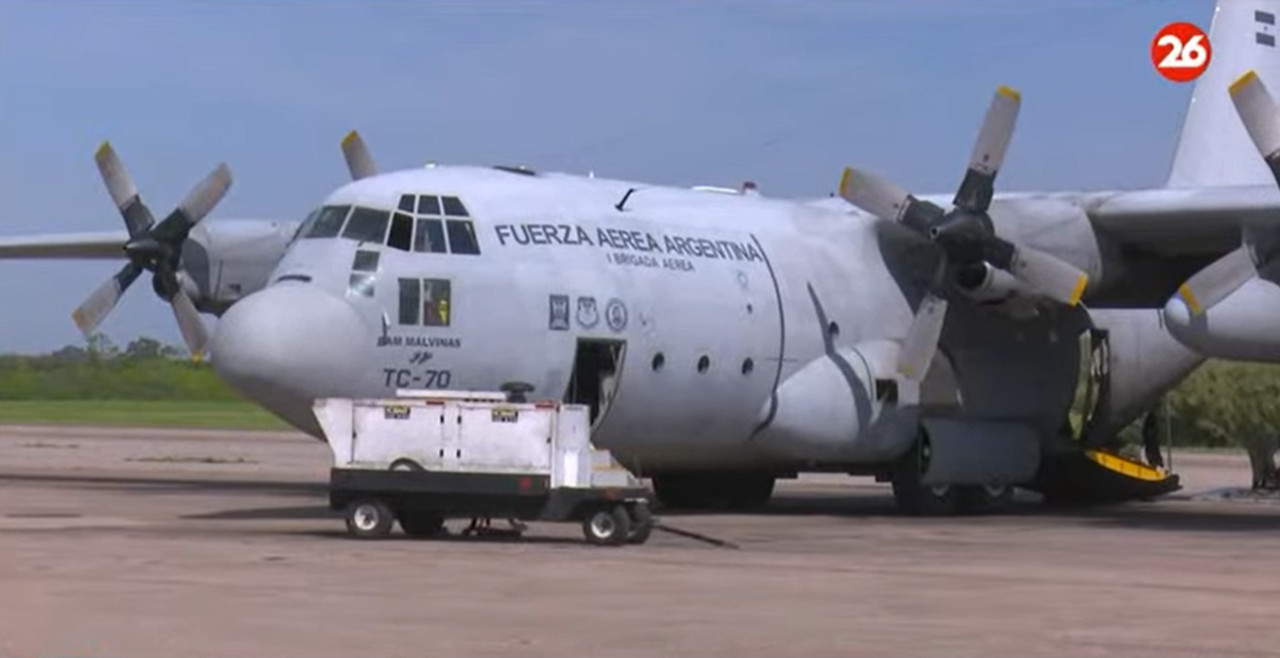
x,y
286,345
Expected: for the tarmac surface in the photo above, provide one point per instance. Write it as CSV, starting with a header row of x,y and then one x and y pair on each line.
x,y
194,543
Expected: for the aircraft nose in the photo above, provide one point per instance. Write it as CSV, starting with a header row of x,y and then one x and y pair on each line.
x,y
286,345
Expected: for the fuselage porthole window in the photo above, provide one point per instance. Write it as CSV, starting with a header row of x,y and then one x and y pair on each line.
x,y
367,225
462,237
328,224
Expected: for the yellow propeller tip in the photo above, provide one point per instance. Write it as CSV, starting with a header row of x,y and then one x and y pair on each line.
x,y
350,137
1248,77
1188,298
1009,92
1078,291
845,177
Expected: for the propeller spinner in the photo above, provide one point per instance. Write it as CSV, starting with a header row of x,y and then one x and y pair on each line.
x,y
153,247
965,233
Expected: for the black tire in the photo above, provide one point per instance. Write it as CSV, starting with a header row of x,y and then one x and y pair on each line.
x,y
607,526
985,499
405,465
641,524
918,499
422,524
369,518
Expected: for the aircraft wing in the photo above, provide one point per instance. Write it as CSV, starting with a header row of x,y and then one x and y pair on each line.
x,y
1181,222
96,245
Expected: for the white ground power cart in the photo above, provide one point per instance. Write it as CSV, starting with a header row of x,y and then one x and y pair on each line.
x,y
427,456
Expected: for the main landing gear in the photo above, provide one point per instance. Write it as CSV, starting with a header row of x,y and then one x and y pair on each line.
x,y
919,499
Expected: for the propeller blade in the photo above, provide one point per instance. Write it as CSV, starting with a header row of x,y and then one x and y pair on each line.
x,y
199,202
1048,275
359,162
194,333
978,186
137,217
100,302
1221,278
921,342
1257,109
204,196
886,200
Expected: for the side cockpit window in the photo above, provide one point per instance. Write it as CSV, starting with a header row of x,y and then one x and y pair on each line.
x,y
327,223
367,225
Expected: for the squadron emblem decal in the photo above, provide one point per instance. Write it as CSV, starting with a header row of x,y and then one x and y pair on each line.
x,y
588,312
616,314
558,319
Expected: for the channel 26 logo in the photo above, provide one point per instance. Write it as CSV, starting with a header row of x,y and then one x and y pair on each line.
x,y
1180,52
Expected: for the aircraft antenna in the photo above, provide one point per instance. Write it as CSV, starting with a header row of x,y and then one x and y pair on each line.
x,y
623,202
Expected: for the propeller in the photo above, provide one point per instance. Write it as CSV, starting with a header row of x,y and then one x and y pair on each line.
x,y
965,233
153,247
359,161
1257,110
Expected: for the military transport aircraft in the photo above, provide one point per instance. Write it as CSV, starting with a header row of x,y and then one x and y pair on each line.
x,y
956,345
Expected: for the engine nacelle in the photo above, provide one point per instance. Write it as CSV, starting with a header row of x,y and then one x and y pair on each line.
x,y
1244,326
848,405
225,260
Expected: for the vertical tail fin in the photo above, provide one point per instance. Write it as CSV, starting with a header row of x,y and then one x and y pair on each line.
x,y
1213,148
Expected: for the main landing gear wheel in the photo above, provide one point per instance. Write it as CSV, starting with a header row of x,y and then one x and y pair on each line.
x,y
641,524
608,526
986,498
916,498
369,518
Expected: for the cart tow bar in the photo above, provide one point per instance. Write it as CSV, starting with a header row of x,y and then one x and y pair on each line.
x,y
696,536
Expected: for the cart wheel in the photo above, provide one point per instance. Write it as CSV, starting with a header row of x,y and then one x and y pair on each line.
x,y
422,524
607,527
369,518
641,523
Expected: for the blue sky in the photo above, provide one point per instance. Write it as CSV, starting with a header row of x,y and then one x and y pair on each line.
x,y
782,92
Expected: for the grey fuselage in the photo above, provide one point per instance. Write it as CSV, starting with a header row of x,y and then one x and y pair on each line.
x,y
711,300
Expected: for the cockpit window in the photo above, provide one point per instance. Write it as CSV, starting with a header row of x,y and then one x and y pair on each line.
x,y
428,205
367,225
462,237
328,223
430,236
401,235
453,207
306,223
406,202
